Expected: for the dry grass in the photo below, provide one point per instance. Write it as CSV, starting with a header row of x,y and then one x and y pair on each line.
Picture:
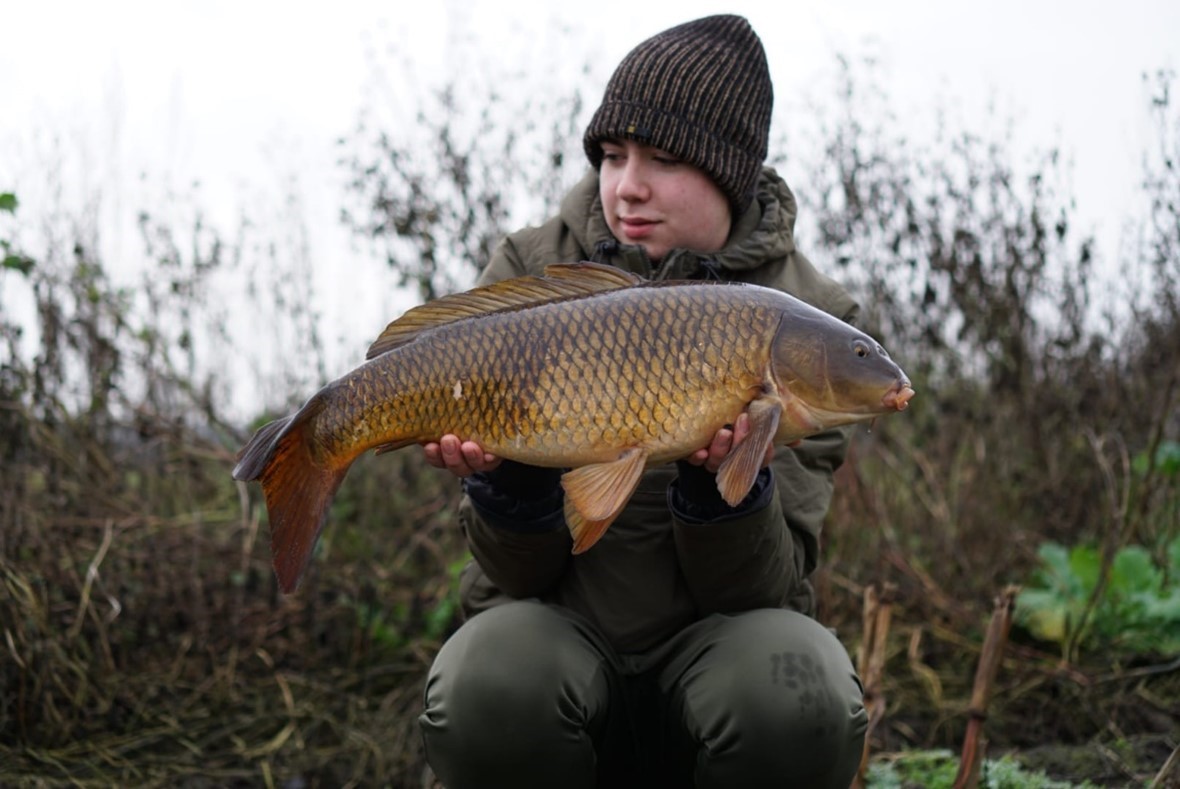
x,y
143,640
145,643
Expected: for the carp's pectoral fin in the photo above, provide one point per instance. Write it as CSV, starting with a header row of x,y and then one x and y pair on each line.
x,y
596,494
740,468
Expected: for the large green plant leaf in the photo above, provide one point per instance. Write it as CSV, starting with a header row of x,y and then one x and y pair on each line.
x,y
1134,571
1138,611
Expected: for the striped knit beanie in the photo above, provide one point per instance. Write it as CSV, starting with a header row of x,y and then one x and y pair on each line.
x,y
700,91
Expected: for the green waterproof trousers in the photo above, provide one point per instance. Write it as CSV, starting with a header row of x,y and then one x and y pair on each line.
x,y
530,695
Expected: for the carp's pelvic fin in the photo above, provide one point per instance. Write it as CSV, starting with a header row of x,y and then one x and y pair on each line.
x,y
596,494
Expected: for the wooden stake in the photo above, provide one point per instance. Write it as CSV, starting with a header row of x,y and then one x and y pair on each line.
x,y
985,674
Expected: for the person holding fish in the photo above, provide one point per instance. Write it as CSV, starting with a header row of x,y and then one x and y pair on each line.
x,y
681,650
639,610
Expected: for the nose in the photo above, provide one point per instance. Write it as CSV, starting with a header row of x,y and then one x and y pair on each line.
x,y
633,186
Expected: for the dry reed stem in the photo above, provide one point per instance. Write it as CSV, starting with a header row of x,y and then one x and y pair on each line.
x,y
1169,775
91,577
926,675
974,746
871,665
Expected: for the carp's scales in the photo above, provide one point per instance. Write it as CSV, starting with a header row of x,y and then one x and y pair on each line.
x,y
588,368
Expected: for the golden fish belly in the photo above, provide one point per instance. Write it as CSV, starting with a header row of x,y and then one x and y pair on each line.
x,y
567,383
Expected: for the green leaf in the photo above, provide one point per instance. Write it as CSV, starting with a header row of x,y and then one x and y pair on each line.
x,y
18,263
1167,459
1134,571
1042,613
1085,564
1055,559
1136,614
1166,610
8,202
439,617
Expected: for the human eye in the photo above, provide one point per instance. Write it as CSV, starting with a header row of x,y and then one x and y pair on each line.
x,y
666,159
611,153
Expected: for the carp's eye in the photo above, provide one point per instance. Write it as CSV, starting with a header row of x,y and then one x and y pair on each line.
x,y
860,348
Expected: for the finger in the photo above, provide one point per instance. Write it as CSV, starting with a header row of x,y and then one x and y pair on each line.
x,y
472,453
433,454
452,456
698,458
718,449
741,429
477,459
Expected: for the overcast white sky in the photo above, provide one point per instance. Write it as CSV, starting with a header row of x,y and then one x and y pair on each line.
x,y
238,94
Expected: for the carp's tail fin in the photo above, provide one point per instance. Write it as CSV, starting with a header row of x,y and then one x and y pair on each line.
x,y
298,490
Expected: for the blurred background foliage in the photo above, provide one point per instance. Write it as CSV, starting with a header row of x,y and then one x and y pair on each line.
x,y
142,637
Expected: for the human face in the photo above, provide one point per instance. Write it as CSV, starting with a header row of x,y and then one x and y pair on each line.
x,y
653,199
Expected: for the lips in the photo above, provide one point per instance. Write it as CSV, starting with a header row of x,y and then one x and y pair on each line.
x,y
898,398
636,227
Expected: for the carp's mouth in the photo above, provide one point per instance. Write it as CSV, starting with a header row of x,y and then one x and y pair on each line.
x,y
897,399
803,416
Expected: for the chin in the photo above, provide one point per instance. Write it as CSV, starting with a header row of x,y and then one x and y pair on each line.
x,y
656,256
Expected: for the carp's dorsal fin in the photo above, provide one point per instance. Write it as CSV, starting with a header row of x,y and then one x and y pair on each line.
x,y
560,281
592,277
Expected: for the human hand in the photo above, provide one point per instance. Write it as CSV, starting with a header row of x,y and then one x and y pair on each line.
x,y
725,441
461,458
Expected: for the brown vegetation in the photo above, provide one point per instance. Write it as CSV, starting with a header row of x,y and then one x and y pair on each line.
x,y
142,637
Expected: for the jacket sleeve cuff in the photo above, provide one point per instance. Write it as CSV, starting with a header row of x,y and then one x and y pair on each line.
x,y
693,496
518,498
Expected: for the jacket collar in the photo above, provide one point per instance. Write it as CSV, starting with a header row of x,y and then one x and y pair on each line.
x,y
763,234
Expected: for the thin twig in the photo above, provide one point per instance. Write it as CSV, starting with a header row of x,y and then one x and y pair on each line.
x,y
1169,775
1119,507
91,575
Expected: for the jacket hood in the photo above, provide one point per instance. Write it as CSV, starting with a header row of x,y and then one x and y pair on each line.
x,y
761,236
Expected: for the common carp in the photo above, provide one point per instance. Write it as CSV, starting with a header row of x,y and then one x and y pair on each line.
x,y
588,368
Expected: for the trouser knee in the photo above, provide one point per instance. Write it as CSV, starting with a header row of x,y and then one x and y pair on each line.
x,y
774,701
515,698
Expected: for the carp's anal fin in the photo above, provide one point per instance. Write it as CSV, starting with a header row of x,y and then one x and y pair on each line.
x,y
393,446
596,494
561,281
740,468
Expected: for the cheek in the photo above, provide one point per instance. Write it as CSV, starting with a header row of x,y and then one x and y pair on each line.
x,y
712,224
606,190
703,201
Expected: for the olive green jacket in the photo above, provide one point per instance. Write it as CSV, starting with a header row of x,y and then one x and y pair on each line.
x,y
654,572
